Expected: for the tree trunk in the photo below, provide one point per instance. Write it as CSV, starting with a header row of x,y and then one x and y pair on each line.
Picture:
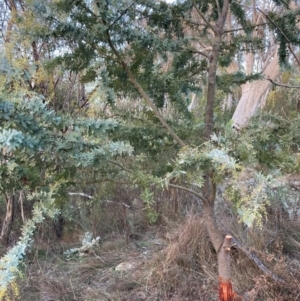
x,y
221,246
8,221
254,93
226,292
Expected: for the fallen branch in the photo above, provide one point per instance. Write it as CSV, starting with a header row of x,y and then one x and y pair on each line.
x,y
257,261
253,257
81,194
91,198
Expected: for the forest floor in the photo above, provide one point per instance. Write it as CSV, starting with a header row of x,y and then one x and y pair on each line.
x,y
114,271
174,265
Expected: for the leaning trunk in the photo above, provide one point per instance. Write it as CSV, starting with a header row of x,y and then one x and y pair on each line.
x,y
254,93
8,221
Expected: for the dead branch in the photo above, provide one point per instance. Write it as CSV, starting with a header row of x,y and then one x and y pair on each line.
x,y
257,261
282,85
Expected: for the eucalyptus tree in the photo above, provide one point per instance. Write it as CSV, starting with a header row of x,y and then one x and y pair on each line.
x,y
276,26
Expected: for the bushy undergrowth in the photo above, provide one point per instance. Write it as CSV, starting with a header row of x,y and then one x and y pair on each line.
x,y
173,260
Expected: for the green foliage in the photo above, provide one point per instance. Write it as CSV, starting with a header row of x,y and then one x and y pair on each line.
x,y
56,145
249,194
96,30
42,154
286,30
275,141
194,163
10,263
102,40
148,200
14,73
226,82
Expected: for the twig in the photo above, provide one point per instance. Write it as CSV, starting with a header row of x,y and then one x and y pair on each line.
x,y
282,85
72,289
81,194
198,52
117,182
121,166
203,17
121,15
218,6
91,198
297,297
199,195
87,100
243,28
120,203
98,256
22,205
283,34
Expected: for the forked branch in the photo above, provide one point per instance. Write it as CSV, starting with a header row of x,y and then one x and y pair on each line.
x,y
142,92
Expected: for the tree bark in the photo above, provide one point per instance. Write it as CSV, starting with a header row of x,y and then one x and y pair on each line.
x,y
221,245
209,187
226,292
212,70
254,93
8,221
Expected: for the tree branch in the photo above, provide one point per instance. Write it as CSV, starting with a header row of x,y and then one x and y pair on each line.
x,y
222,17
143,93
218,6
198,52
283,34
257,261
213,28
282,85
91,198
199,195
243,28
121,15
120,165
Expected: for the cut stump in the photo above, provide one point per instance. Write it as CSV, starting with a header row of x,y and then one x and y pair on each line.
x,y
226,292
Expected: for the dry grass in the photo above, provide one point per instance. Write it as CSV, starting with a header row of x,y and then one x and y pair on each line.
x,y
181,266
186,268
276,244
82,279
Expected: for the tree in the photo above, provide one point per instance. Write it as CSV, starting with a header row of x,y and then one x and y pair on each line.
x,y
113,34
42,154
281,33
